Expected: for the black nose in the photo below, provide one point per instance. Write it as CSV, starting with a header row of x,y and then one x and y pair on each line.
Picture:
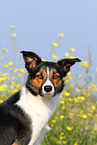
x,y
47,88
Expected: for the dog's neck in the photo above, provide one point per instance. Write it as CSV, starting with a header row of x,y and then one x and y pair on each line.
x,y
38,109
39,104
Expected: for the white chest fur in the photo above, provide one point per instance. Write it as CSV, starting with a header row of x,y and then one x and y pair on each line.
x,y
39,109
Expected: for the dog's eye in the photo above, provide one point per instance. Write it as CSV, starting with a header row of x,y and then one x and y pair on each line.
x,y
56,77
39,76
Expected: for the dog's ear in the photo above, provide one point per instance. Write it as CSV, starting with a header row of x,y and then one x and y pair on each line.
x,y
67,63
31,60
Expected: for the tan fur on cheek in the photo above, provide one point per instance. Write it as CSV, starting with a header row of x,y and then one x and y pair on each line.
x,y
57,83
36,83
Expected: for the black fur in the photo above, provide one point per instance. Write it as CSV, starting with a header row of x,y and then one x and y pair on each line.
x,y
14,123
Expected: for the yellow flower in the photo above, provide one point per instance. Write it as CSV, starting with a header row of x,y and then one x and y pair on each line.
x,y
18,86
61,35
19,75
81,98
66,54
85,64
80,76
77,90
88,104
2,88
54,57
63,107
70,99
61,102
12,83
95,129
25,71
16,70
4,75
21,70
64,142
4,49
12,87
11,68
62,133
68,77
15,90
11,26
93,107
61,137
55,44
44,60
67,81
10,63
3,96
76,100
66,93
59,142
69,128
69,73
89,114
70,114
53,121
14,35
2,79
56,117
71,57
72,49
61,117
92,87
1,101
13,78
5,65
84,116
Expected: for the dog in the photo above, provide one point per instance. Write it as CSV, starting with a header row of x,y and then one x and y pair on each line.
x,y
24,115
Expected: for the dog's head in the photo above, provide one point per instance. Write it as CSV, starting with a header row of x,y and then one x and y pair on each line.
x,y
46,78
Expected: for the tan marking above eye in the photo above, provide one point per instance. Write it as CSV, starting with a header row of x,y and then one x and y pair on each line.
x,y
57,74
55,79
41,75
39,80
54,74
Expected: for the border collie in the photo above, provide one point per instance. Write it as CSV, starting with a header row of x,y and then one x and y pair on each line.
x,y
24,115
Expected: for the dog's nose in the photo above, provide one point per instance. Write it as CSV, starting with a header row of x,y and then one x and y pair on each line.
x,y
47,88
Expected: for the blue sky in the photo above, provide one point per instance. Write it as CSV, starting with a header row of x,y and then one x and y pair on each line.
x,y
39,22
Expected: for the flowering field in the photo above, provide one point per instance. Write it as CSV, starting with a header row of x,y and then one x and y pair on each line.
x,y
75,120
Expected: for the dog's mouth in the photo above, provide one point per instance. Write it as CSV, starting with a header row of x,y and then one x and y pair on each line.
x,y
46,94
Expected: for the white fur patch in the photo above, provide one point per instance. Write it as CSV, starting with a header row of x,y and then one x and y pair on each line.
x,y
48,82
39,109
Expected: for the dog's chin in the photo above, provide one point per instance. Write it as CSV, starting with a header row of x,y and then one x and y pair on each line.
x,y
47,95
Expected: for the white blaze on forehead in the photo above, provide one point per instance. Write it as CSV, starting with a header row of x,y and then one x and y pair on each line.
x,y
48,72
48,82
